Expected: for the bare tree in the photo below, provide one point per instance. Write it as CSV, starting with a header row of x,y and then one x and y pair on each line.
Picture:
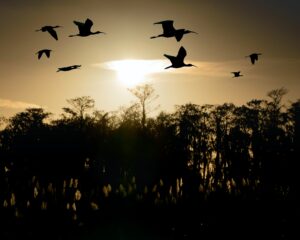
x,y
145,95
276,95
80,105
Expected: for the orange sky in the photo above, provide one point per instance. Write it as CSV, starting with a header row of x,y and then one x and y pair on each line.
x,y
228,31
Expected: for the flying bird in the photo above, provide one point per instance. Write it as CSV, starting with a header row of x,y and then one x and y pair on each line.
x,y
49,29
84,28
170,31
44,51
237,74
254,57
68,68
178,61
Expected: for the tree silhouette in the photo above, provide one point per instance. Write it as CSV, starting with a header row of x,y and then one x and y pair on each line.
x,y
80,105
91,164
222,121
2,121
24,140
293,162
145,95
275,140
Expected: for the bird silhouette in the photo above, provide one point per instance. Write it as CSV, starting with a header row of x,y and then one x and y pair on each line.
x,y
49,29
237,74
68,68
44,51
178,61
84,28
170,31
254,57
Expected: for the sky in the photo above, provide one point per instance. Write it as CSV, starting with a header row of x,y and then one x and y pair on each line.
x,y
126,56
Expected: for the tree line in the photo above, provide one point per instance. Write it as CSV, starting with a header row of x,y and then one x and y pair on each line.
x,y
226,148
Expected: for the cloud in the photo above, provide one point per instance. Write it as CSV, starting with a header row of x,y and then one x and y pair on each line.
x,y
157,66
215,69
137,65
7,103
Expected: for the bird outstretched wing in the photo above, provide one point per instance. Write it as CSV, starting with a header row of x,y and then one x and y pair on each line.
x,y
80,25
52,33
171,58
167,26
253,58
47,53
88,23
65,68
40,53
181,53
178,36
75,66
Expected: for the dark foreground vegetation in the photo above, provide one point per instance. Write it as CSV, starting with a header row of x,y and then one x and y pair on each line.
x,y
202,172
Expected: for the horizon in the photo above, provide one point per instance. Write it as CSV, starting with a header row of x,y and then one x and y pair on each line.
x,y
21,107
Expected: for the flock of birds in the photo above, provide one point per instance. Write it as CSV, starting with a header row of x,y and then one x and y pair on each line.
x,y
253,57
169,31
84,29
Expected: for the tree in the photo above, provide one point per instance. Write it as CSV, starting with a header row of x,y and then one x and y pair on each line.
x,y
24,138
2,121
275,142
31,118
188,117
145,95
222,117
293,163
80,105
129,116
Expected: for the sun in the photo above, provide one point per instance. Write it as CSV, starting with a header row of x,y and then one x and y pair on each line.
x,y
132,72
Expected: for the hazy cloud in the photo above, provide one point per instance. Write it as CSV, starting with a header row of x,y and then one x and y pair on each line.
x,y
157,66
7,103
219,69
137,65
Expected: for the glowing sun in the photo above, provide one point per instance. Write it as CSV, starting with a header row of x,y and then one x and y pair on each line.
x,y
132,72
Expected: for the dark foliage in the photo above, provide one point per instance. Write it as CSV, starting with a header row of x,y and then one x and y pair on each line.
x,y
234,168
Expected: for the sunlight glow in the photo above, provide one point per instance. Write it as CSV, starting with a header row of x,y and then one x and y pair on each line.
x,y
132,72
